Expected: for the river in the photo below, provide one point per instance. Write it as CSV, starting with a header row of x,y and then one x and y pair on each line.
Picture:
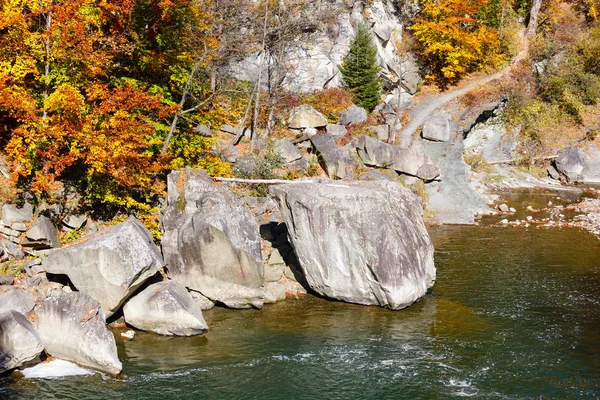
x,y
514,314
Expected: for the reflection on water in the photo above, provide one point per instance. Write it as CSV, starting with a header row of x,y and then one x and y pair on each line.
x,y
514,314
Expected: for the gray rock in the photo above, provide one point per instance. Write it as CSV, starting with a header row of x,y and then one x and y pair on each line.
x,y
276,258
305,116
333,160
19,342
273,273
382,132
591,174
353,115
110,265
274,292
309,132
428,172
571,163
11,213
42,234
553,173
360,242
203,130
75,221
211,242
375,175
337,131
230,154
409,73
246,164
503,208
491,141
10,249
71,327
19,226
378,154
286,150
16,299
165,308
6,281
203,302
229,129
437,128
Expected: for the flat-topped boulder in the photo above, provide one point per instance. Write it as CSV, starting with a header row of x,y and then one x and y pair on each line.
x,y
19,342
72,327
110,265
362,242
166,308
211,242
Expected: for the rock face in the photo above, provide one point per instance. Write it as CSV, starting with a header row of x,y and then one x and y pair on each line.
x,y
16,299
165,308
407,161
110,265
19,343
353,115
360,242
571,163
211,243
286,150
71,327
306,117
332,157
437,128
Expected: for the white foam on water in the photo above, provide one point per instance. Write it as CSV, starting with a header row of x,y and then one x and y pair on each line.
x,y
55,369
457,383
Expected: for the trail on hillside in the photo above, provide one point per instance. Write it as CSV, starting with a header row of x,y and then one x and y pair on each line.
x,y
428,105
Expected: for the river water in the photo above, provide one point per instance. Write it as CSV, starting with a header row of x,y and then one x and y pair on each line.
x,y
515,314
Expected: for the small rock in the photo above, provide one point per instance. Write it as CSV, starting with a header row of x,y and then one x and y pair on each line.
x,y
529,218
229,154
504,221
273,273
306,116
19,226
130,334
75,221
353,115
512,210
310,132
503,208
11,213
42,234
437,128
337,131
549,204
274,292
286,150
202,301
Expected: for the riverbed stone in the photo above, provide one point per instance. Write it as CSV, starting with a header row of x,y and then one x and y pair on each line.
x,y
360,242
16,299
165,308
72,327
571,163
211,242
19,342
306,116
110,265
274,292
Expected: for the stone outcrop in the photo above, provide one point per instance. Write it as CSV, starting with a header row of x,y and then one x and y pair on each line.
x,y
360,242
333,158
211,243
165,308
19,342
306,117
110,265
71,327
571,163
16,299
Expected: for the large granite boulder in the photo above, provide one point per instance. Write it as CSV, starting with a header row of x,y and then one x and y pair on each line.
x,y
19,342
332,157
166,308
571,163
211,242
110,265
360,242
375,153
305,116
591,174
42,234
16,299
72,327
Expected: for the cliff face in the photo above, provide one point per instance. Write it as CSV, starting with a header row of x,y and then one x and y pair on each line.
x,y
310,62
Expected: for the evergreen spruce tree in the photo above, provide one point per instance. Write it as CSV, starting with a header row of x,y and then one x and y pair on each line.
x,y
360,69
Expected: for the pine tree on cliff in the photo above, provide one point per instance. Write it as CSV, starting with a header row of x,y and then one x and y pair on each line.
x,y
360,69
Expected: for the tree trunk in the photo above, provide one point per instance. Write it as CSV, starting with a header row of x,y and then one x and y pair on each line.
x,y
47,65
260,66
533,17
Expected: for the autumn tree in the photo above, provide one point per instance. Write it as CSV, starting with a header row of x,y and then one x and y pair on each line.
x,y
360,69
453,42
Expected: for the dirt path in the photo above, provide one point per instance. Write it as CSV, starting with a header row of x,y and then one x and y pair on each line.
x,y
428,105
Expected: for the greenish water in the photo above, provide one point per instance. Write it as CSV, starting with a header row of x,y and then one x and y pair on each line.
x,y
514,314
